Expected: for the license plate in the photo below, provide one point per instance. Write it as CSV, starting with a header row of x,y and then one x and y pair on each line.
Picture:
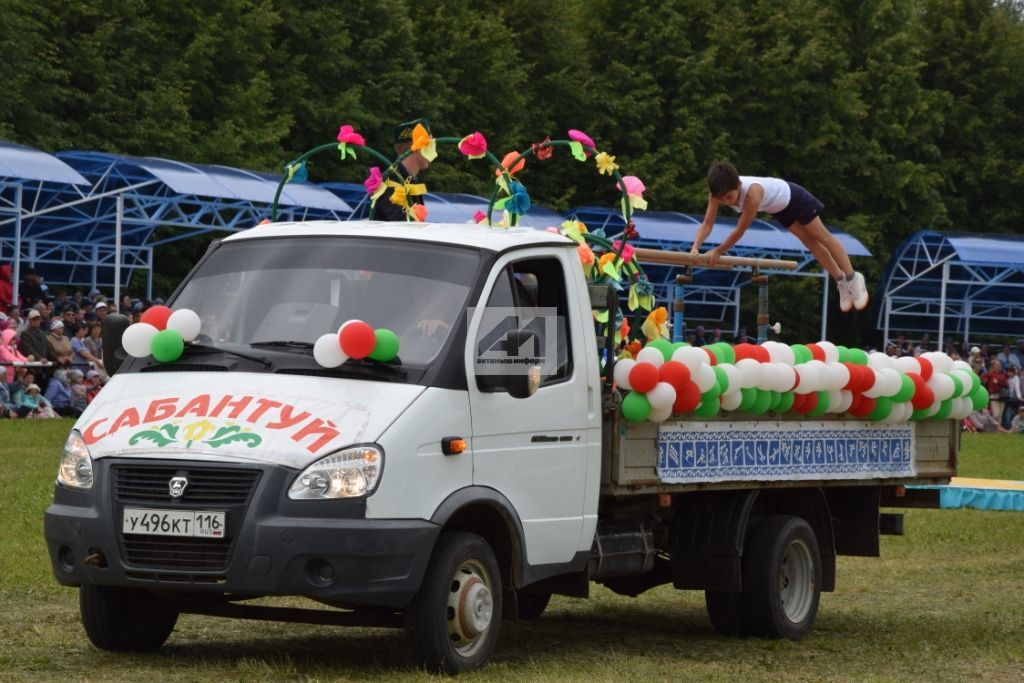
x,y
150,522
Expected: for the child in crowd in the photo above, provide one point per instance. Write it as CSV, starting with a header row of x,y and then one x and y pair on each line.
x,y
37,405
795,209
79,391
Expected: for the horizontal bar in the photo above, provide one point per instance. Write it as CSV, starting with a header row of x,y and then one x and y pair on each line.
x,y
685,258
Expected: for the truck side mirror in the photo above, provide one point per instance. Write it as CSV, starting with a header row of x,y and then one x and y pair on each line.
x,y
114,325
524,385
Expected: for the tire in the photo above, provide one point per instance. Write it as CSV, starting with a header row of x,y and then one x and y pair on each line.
x,y
781,578
124,619
726,612
532,606
453,621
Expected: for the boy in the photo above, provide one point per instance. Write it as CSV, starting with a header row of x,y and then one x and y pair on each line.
x,y
795,209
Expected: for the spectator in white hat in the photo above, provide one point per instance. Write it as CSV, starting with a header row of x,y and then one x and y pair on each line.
x,y
59,344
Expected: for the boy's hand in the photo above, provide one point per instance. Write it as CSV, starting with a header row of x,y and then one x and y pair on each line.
x,y
712,256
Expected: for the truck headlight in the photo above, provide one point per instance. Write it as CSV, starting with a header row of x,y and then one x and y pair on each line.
x,y
350,473
75,463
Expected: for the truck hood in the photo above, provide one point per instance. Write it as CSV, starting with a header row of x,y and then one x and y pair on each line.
x,y
289,420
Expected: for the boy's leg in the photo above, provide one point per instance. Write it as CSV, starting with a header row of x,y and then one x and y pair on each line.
x,y
815,232
821,252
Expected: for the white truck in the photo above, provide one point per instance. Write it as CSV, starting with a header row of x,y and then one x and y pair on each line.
x,y
429,492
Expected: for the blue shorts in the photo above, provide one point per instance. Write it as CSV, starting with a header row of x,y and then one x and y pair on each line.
x,y
803,207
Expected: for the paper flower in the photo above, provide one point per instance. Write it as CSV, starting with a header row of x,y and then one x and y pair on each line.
x,y
656,325
348,136
506,163
581,137
419,211
519,199
373,181
586,255
296,173
574,230
479,217
605,163
635,190
641,294
627,251
473,146
542,151
423,143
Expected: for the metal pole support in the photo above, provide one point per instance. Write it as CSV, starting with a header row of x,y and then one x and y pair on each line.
x,y
678,305
761,281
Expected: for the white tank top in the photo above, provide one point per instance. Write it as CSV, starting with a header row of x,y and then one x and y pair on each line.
x,y
776,194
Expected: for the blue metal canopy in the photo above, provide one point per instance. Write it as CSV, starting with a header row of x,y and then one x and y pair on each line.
x,y
19,163
955,285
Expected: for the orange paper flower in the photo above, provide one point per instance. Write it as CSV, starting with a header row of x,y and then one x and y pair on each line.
x,y
507,161
420,211
420,137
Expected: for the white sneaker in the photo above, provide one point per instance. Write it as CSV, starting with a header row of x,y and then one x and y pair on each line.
x,y
858,291
845,300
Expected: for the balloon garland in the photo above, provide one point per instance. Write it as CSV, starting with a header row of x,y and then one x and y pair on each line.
x,y
803,379
355,339
161,333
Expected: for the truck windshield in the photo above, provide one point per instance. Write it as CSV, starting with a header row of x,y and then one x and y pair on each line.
x,y
287,292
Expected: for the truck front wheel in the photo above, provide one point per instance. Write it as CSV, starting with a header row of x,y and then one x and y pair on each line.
x,y
453,622
124,619
781,578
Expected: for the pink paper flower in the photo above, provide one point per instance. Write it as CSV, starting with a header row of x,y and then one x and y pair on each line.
x,y
634,186
373,180
552,229
473,146
479,217
627,252
349,136
583,138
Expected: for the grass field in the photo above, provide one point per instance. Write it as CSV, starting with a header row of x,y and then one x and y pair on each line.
x,y
945,602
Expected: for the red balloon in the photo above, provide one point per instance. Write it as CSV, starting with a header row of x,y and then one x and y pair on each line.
x,y
675,373
762,355
817,353
926,368
866,378
643,377
810,402
852,384
745,351
711,357
157,316
864,406
687,399
357,339
923,397
798,403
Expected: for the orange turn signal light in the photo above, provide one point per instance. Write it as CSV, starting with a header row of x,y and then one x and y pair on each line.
x,y
453,445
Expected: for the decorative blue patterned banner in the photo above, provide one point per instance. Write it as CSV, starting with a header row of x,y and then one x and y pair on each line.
x,y
771,451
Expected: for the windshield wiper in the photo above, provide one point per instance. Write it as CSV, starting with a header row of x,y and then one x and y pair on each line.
x,y
216,349
283,344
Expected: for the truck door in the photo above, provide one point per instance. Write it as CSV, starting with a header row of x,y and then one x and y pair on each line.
x,y
534,450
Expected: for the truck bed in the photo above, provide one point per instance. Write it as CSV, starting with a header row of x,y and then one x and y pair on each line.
x,y
630,453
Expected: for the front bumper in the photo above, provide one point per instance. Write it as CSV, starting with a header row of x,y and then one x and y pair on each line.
x,y
325,550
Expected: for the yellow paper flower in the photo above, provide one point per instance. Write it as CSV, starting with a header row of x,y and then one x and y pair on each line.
x,y
606,258
605,163
656,325
420,137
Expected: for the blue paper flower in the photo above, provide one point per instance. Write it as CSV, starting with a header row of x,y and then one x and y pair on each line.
x,y
519,201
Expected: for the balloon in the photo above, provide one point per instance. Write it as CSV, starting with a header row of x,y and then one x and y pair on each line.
x,y
810,402
167,346
926,368
715,354
749,398
858,356
662,396
721,378
840,375
907,390
659,414
774,397
892,382
662,345
878,385
958,384
732,401
944,410
643,377
735,377
386,346
862,406
908,364
835,400
750,372
801,354
741,351
156,316
687,399
830,350
185,322
979,398
705,378
786,354
787,377
621,373
845,400
635,407
138,338
708,407
808,378
883,406
675,373
822,405
923,394
651,355
691,357
878,360
357,339
817,353
728,354
844,354
942,385
327,351
761,403
785,402
762,354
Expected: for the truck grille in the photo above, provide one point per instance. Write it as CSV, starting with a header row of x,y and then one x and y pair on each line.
x,y
176,553
206,485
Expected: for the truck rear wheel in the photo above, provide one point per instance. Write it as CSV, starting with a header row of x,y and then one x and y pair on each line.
x,y
124,619
454,620
726,612
781,578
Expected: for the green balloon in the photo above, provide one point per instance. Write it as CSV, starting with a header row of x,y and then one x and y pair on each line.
x,y
721,378
883,407
919,415
730,353
979,398
635,407
386,347
709,405
944,409
822,406
760,406
785,402
716,351
167,346
775,397
975,383
801,354
906,391
663,345
844,354
858,356
748,400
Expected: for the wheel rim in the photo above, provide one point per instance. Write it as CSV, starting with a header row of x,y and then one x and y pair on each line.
x,y
796,581
470,608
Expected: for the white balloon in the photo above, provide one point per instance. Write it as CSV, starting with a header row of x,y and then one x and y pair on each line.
x,y
774,351
892,380
185,322
878,385
771,376
662,396
788,357
840,375
940,361
735,378
659,414
651,355
787,376
878,360
962,365
942,385
137,338
732,401
961,408
835,402
845,401
907,364
692,357
809,379
965,380
751,372
705,378
327,351
621,373
933,408
831,352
